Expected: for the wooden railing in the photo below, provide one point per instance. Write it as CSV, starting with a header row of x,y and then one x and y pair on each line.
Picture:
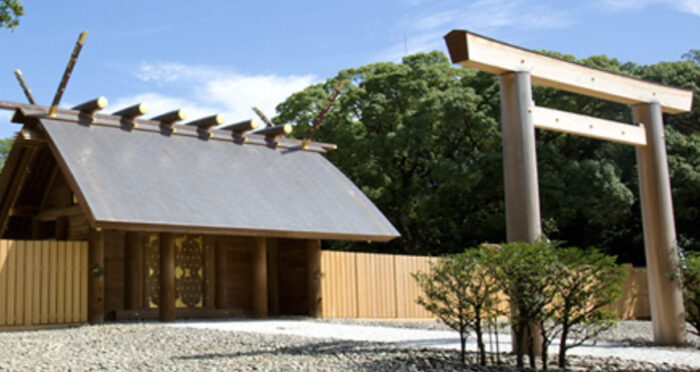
x,y
42,283
369,285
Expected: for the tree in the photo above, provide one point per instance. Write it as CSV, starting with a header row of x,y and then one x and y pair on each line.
x,y
5,147
690,279
461,294
10,11
524,272
422,139
413,136
583,286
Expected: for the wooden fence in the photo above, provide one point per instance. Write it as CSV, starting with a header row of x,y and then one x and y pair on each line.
x,y
369,285
42,282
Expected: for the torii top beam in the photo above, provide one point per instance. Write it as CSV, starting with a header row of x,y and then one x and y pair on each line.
x,y
472,50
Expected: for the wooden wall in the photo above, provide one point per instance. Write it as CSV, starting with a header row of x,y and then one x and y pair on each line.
x,y
292,276
234,278
372,285
239,272
42,283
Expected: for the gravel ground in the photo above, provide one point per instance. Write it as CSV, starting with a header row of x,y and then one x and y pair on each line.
x,y
629,332
155,347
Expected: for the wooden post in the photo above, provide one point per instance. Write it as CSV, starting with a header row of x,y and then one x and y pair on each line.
x,y
260,278
166,304
313,282
665,294
273,299
519,159
221,269
520,171
96,284
134,272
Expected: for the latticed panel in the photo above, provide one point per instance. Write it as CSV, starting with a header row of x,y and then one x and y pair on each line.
x,y
189,271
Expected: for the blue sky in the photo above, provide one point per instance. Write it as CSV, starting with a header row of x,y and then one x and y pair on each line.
x,y
225,56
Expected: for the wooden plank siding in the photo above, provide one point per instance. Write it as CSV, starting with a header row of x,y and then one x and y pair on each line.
x,y
380,286
42,283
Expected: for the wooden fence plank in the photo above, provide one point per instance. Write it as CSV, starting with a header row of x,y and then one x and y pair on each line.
x,y
53,282
83,282
19,279
45,272
11,281
76,281
36,284
70,286
61,282
28,282
3,282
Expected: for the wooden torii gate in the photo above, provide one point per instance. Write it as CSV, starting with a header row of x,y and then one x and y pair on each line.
x,y
517,69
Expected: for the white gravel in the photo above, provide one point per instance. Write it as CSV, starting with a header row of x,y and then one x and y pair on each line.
x,y
438,339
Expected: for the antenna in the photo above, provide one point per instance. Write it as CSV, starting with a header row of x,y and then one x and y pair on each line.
x,y
322,115
67,73
263,117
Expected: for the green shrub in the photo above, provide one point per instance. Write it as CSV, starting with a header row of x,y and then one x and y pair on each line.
x,y
460,294
690,274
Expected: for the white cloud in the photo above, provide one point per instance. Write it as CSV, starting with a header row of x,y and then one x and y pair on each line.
x,y
687,6
424,30
205,90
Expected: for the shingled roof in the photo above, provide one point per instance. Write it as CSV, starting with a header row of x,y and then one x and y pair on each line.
x,y
139,175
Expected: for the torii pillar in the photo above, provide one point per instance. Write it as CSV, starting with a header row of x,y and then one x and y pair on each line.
x,y
520,172
660,246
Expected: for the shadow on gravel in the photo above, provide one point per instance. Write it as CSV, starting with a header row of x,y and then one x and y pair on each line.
x,y
359,356
388,357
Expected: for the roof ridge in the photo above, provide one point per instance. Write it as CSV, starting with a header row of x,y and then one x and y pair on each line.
x,y
24,111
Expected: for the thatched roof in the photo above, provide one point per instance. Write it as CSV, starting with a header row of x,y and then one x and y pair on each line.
x,y
145,178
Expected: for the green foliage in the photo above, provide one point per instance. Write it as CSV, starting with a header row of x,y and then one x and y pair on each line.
x,y
690,274
10,11
524,272
583,287
413,136
5,146
461,294
422,140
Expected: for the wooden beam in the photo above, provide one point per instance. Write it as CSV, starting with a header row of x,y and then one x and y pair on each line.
x,y
276,131
92,106
166,305
314,278
96,284
206,123
52,214
67,73
132,112
134,272
485,54
170,118
260,279
582,125
25,87
241,127
29,137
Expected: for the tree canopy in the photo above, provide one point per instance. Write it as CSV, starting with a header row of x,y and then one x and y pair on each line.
x,y
10,11
422,140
